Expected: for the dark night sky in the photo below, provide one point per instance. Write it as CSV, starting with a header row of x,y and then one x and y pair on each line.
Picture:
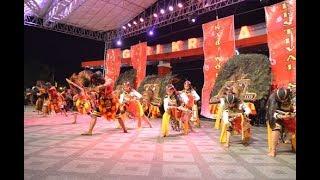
x,y
60,51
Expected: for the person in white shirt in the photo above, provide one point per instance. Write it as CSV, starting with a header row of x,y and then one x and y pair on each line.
x,y
235,119
190,98
130,103
173,111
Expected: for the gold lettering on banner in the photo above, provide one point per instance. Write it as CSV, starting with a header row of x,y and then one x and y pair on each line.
x,y
287,14
218,36
177,46
289,39
193,43
174,46
159,49
126,53
291,58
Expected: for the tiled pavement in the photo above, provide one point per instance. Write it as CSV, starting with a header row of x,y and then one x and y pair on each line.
x,y
54,149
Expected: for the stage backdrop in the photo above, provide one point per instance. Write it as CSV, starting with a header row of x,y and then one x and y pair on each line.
x,y
139,61
113,64
218,47
281,30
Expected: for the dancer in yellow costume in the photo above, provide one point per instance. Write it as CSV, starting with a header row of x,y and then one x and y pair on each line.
x,y
81,101
130,103
280,118
235,120
173,112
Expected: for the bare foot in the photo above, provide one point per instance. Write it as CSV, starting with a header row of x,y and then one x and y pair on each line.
x,y
226,145
272,154
125,131
87,134
74,122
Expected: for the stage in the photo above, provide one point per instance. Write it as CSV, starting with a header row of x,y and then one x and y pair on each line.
x,y
54,149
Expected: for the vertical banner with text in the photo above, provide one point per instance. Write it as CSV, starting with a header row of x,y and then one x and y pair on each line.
x,y
139,61
113,64
281,31
218,47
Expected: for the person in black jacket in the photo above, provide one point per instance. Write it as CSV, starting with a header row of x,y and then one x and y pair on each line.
x,y
280,114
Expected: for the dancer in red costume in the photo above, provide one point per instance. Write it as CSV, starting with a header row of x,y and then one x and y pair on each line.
x,y
130,103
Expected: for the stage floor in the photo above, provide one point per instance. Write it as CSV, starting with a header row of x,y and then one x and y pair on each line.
x,y
54,149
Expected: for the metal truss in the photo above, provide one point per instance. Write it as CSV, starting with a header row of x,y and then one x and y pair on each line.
x,y
67,29
191,8
32,4
61,9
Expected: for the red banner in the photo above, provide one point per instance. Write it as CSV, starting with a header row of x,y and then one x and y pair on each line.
x,y
139,61
112,64
218,47
281,31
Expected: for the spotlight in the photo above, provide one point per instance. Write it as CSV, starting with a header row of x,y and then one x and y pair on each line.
x,y
170,8
134,22
124,27
192,18
155,15
162,11
119,42
180,5
129,24
141,19
150,32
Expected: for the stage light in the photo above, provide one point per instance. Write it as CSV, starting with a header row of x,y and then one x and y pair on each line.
x,y
124,27
134,22
155,15
180,5
170,8
141,19
162,11
150,32
119,42
192,18
129,24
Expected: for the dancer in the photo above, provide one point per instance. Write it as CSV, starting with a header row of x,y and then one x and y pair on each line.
x,y
218,103
280,117
107,106
235,120
81,100
191,102
56,101
173,112
130,103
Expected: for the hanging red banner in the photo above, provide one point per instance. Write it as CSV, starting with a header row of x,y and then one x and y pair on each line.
x,y
218,47
139,61
281,31
112,64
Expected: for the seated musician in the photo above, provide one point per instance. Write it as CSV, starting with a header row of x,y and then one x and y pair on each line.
x,y
234,120
280,117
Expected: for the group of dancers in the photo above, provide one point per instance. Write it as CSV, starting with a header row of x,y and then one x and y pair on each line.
x,y
232,114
